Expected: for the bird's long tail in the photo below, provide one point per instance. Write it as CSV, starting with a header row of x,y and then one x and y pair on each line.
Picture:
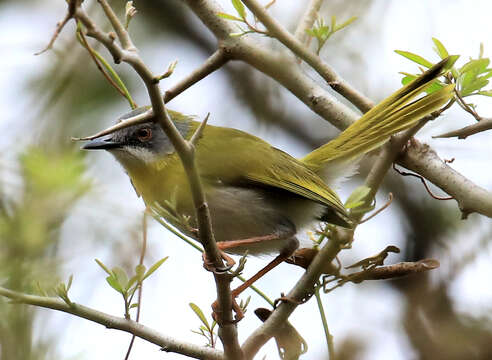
x,y
392,115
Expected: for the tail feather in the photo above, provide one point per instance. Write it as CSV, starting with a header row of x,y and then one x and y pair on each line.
x,y
392,115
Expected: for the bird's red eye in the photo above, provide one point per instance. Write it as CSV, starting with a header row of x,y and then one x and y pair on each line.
x,y
144,134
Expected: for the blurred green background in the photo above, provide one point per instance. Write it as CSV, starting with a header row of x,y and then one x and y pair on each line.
x,y
60,208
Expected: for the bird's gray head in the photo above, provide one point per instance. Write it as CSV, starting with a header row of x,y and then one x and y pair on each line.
x,y
144,142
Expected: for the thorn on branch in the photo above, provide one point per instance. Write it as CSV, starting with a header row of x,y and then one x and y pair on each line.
x,y
403,173
199,132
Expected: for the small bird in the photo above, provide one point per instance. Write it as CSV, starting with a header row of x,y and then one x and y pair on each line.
x,y
259,196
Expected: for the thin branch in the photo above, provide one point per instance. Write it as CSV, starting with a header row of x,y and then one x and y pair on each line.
x,y
391,271
483,125
328,336
214,62
96,58
307,21
72,5
118,27
137,119
378,211
422,180
140,284
166,343
338,84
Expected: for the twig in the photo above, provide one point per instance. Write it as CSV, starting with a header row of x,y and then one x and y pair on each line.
x,y
462,103
483,125
307,21
392,271
420,177
166,343
328,336
140,284
123,91
214,62
338,84
122,33
72,5
137,119
375,213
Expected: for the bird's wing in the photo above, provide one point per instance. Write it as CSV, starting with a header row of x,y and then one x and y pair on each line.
x,y
244,159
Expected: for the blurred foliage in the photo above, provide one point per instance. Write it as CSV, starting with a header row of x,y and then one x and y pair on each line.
x,y
30,224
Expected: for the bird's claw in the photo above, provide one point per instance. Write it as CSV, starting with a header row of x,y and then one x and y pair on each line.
x,y
209,266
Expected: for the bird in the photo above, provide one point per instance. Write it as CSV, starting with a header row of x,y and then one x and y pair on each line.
x,y
259,197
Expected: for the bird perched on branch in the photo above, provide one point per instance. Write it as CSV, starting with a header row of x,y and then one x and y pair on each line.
x,y
259,196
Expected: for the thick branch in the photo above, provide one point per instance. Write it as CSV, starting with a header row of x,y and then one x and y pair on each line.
x,y
423,160
113,322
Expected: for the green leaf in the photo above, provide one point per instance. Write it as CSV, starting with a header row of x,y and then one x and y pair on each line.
x,y
357,198
200,315
238,5
113,282
440,49
345,24
485,92
473,86
69,285
229,17
134,305
99,262
451,61
476,66
130,283
415,58
333,22
121,276
154,267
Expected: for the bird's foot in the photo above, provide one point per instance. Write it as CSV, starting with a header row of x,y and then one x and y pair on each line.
x,y
209,266
216,313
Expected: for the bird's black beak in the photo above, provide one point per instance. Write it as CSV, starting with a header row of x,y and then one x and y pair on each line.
x,y
102,144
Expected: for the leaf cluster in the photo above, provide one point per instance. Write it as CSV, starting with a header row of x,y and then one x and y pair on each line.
x,y
471,78
322,32
127,285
